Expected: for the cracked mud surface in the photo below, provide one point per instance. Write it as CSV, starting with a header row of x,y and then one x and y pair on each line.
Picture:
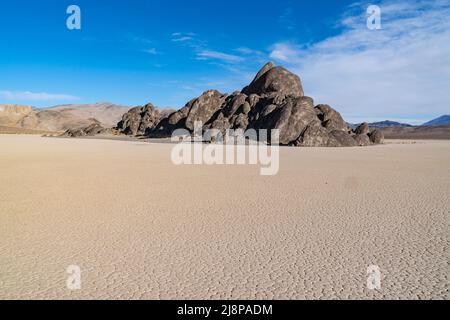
x,y
142,228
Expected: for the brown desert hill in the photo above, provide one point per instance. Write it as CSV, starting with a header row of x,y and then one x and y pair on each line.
x,y
70,117
60,118
273,100
11,114
422,132
106,113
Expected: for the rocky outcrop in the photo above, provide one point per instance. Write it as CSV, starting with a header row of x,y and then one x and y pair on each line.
x,y
273,100
138,120
91,130
363,129
201,109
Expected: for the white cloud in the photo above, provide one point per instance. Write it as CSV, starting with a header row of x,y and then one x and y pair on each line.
x,y
286,52
209,54
151,51
33,96
182,39
400,71
178,34
248,51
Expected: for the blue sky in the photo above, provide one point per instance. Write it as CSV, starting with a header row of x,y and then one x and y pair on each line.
x,y
138,51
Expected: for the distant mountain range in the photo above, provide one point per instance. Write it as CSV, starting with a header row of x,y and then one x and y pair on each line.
x,y
435,129
388,124
381,124
441,121
421,132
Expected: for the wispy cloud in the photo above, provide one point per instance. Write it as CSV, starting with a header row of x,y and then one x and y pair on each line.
x,y
138,39
182,39
202,51
34,96
151,51
402,69
183,36
179,34
216,55
248,51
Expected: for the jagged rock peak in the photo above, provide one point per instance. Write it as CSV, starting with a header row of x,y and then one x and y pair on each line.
x,y
275,80
269,65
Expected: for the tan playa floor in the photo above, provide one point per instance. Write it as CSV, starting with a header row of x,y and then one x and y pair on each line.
x,y
140,227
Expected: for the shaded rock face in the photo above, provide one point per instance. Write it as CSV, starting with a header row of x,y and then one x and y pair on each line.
x,y
362,140
277,80
314,136
291,117
376,137
203,108
331,119
274,100
138,120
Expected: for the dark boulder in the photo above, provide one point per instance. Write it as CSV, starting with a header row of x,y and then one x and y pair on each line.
x,y
138,120
362,140
92,130
340,138
377,137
